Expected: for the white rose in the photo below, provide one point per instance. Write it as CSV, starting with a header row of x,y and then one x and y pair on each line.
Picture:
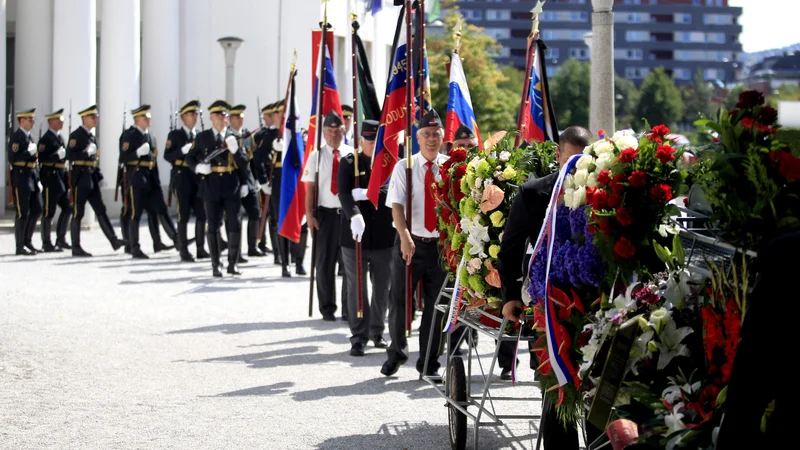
x,y
604,161
569,195
588,149
504,156
592,180
602,147
581,176
569,182
579,198
627,142
584,162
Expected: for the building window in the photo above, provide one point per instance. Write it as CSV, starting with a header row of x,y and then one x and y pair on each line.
x,y
718,19
579,53
690,36
633,2
715,38
551,53
563,35
565,16
637,36
682,74
631,54
498,14
636,73
713,74
498,33
632,17
502,52
552,71
472,14
683,18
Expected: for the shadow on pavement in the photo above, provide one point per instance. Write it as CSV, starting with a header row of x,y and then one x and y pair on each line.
x,y
414,388
258,391
235,328
333,338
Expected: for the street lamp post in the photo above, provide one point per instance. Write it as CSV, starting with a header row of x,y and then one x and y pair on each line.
x,y
601,47
230,45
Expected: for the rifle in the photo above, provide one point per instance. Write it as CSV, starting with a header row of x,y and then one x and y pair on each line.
x,y
260,115
9,130
172,124
120,184
218,151
202,124
69,169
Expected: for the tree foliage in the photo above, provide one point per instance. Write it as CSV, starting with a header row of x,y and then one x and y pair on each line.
x,y
626,97
697,100
569,89
659,100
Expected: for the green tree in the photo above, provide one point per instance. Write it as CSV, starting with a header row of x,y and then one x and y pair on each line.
x,y
659,100
569,89
697,100
733,96
626,97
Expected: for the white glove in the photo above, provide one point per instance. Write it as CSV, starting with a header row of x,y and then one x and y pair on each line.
x,y
31,148
143,149
202,169
359,194
258,186
91,149
357,226
185,149
266,189
233,144
243,191
61,153
277,145
39,185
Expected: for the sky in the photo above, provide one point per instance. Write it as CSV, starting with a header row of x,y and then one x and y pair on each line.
x,y
768,24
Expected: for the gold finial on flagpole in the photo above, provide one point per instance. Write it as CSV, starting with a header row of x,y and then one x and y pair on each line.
x,y
353,13
457,36
535,17
294,61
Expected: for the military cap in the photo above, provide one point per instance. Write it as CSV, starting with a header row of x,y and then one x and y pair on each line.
x,y
333,120
238,110
142,111
219,107
464,133
59,115
28,114
267,109
192,106
369,129
347,111
277,106
431,119
90,111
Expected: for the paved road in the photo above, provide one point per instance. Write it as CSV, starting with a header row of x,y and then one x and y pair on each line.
x,y
112,353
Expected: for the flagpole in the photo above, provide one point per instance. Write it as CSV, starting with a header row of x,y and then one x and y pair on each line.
x,y
525,101
408,155
421,59
356,139
320,88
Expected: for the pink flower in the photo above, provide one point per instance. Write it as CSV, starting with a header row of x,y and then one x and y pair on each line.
x,y
492,198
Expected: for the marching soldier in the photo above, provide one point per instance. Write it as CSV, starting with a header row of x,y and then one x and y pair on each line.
x,y
186,184
347,118
52,157
216,159
326,219
250,201
263,170
417,247
22,155
373,228
86,177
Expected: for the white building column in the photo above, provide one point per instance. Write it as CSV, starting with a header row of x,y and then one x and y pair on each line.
x,y
601,109
75,64
33,61
161,69
120,72
3,181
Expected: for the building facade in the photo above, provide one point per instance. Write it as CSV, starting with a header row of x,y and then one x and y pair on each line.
x,y
122,53
682,36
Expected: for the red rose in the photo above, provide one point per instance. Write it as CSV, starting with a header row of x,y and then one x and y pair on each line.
x,y
750,99
788,165
590,195
638,178
624,216
615,201
624,248
603,177
765,129
768,115
458,196
685,201
446,166
460,171
659,130
600,199
584,338
458,155
661,193
604,225
665,153
627,155
616,183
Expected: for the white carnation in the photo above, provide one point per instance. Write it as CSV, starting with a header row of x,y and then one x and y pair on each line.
x,y
580,178
604,161
578,198
592,180
569,182
569,195
584,162
602,147
627,142
588,149
504,156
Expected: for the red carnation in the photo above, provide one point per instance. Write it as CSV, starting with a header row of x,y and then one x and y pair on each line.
x,y
747,123
765,129
750,99
616,183
615,201
446,166
603,177
788,165
600,199
458,155
624,248
592,228
460,171
768,115
624,216
590,195
661,193
637,179
627,155
665,153
659,130
604,225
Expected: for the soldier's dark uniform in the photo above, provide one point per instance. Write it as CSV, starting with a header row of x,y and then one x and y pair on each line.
x,y
55,181
186,187
22,155
82,151
262,167
250,202
221,189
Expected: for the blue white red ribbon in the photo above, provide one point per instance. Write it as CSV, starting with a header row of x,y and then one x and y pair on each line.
x,y
455,299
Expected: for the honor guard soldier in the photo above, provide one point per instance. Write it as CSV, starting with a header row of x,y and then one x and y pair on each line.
x,y
465,138
86,177
52,158
250,201
417,247
347,118
262,167
373,228
326,219
216,159
186,184
139,153
22,154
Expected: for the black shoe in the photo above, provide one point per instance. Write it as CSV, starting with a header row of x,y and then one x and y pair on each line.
x,y
301,270
117,243
380,342
357,349
22,251
138,254
128,249
33,249
329,318
263,247
256,253
390,367
505,375
434,375
50,248
217,273
77,251
242,260
63,244
186,257
286,272
233,270
277,259
160,247
202,254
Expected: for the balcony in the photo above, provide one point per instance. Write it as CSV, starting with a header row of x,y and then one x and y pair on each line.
x,y
661,37
661,55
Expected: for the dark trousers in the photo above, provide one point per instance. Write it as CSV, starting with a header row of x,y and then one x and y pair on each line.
x,y
189,202
556,436
252,208
53,199
425,266
379,264
83,195
29,203
327,242
216,206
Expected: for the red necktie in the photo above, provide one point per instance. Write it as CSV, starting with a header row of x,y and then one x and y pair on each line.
x,y
335,172
430,211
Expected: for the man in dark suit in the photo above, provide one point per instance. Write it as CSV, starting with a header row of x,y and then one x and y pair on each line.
x,y
524,222
22,155
262,167
52,157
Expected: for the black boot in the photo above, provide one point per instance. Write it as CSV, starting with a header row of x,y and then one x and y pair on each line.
x,y
75,232
30,228
155,233
133,234
125,225
61,230
252,236
200,239
234,247
47,244
19,237
183,243
213,245
286,272
108,230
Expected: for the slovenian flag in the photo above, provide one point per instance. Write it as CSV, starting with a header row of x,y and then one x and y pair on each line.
x,y
393,117
538,121
459,104
292,206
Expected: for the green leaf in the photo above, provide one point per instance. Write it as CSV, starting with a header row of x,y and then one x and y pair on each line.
x,y
722,396
662,253
678,252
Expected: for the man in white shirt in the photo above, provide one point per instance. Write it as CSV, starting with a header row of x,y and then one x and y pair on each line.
x,y
417,247
324,213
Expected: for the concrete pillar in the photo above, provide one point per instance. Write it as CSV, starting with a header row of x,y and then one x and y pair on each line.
x,y
161,69
120,69
601,115
229,46
75,62
3,181
33,64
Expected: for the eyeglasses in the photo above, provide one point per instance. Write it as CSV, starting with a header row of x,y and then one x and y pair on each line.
x,y
431,135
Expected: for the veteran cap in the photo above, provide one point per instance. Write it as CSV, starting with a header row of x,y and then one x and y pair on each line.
x,y
333,120
464,133
431,119
369,129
